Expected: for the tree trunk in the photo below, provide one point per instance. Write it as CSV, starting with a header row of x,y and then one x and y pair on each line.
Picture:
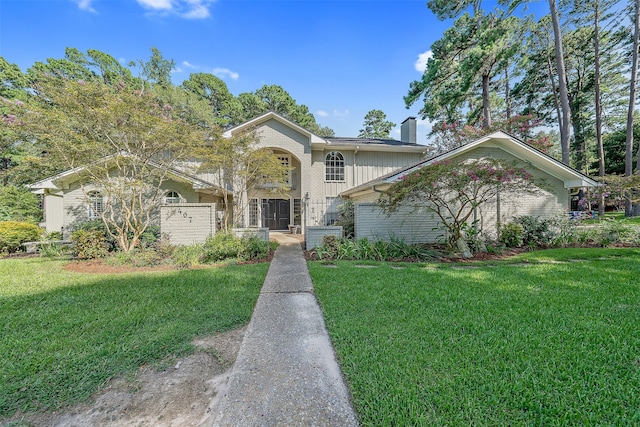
x,y
507,93
565,128
596,50
486,103
628,159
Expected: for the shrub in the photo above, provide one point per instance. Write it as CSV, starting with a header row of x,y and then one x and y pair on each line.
x,y
221,246
346,216
536,231
363,249
563,230
89,244
53,250
139,257
98,225
252,247
164,247
473,237
511,234
150,236
14,233
188,256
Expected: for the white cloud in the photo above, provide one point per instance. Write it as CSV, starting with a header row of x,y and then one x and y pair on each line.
x,y
85,5
421,63
321,113
188,65
188,9
156,4
221,72
197,9
340,113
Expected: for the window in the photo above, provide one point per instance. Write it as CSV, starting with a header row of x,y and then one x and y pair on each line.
x,y
254,212
171,197
334,167
95,205
284,161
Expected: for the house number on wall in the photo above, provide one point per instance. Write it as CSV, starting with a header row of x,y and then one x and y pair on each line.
x,y
182,214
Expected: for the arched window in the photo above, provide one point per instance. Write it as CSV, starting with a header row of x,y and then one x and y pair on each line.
x,y
96,205
172,197
334,167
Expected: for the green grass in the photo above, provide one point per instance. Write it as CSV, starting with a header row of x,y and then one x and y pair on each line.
x,y
547,338
64,335
615,216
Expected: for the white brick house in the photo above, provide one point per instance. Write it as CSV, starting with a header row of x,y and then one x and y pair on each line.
x,y
418,226
321,168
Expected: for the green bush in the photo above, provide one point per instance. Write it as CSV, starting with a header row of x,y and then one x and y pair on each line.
x,y
362,249
188,256
98,225
221,246
89,244
139,257
512,235
252,247
346,218
14,233
19,204
53,250
150,236
536,231
563,230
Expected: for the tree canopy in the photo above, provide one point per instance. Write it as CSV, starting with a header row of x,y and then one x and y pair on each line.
x,y
376,125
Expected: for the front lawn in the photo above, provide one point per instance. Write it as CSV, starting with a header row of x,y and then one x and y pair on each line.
x,y
64,334
547,338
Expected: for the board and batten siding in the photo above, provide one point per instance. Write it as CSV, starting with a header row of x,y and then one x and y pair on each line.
x,y
188,223
360,167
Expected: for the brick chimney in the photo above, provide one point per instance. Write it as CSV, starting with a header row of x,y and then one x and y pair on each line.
x,y
408,131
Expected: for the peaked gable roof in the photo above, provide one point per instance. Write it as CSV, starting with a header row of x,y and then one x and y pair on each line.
x,y
62,179
382,144
506,142
270,115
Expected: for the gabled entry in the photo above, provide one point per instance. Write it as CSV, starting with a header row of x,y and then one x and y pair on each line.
x,y
275,213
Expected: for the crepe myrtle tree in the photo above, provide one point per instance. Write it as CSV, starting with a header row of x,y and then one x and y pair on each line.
x,y
452,190
122,142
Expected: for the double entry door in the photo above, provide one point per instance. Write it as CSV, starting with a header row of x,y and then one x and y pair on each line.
x,y
275,213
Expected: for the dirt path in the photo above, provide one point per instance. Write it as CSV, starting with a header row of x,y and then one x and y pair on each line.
x,y
184,394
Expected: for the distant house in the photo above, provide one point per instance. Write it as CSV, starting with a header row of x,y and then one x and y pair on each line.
x,y
417,226
321,169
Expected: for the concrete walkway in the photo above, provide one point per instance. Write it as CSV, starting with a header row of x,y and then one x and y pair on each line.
x,y
286,373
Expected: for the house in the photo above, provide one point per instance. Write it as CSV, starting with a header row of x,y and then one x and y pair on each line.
x,y
562,183
321,169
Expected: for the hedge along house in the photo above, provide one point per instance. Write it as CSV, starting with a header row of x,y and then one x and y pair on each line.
x,y
320,169
416,225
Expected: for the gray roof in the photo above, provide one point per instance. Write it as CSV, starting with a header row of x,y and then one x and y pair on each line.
x,y
367,141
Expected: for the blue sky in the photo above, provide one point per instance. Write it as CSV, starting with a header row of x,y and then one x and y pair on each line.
x,y
341,58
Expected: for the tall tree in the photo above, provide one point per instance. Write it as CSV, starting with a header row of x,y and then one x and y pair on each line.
x,y
376,125
565,122
275,98
628,162
241,167
119,137
156,70
464,62
226,108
